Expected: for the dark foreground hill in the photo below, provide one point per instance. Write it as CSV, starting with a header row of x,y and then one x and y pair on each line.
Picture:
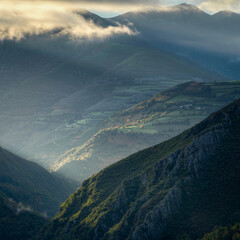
x,y
31,185
17,223
185,185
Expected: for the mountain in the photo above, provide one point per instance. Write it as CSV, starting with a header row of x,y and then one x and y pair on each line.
x,y
186,185
190,32
29,184
55,90
18,223
152,121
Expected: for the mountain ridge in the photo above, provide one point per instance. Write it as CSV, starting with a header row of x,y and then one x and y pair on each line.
x,y
196,39
178,187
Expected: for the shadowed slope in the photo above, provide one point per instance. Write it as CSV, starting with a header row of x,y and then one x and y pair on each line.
x,y
27,183
16,224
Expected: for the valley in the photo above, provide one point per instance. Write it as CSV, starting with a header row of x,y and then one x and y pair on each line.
x,y
152,121
120,120
50,103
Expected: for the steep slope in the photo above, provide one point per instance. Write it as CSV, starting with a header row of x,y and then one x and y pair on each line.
x,y
17,223
152,121
31,185
188,31
186,185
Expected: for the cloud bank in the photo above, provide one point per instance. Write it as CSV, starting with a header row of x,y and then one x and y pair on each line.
x,y
18,19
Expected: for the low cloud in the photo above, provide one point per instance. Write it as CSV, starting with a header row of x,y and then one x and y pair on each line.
x,y
218,5
29,18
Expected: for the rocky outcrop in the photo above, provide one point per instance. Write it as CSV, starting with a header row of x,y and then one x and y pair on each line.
x,y
189,160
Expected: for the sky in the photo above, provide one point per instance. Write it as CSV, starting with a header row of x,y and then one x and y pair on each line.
x,y
110,8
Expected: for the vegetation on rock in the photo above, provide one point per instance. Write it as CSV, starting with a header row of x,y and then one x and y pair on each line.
x,y
178,187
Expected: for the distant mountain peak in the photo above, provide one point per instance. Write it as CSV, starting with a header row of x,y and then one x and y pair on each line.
x,y
187,7
183,7
226,13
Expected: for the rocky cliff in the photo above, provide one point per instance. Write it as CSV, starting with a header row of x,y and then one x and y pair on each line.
x,y
186,185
